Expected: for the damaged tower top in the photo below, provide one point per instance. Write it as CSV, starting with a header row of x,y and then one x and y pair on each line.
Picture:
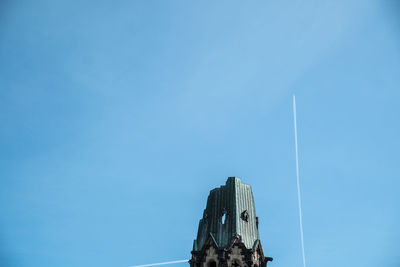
x,y
228,232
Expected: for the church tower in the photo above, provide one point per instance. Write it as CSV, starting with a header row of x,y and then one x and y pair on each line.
x,y
228,232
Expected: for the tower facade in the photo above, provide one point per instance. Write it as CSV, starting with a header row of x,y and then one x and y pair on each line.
x,y
228,232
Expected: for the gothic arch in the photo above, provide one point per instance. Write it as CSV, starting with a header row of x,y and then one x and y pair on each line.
x,y
212,263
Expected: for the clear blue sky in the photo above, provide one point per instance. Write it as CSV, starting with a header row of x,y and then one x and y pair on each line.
x,y
118,117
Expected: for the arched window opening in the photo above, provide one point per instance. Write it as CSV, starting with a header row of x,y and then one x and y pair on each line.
x,y
212,264
223,216
223,219
236,264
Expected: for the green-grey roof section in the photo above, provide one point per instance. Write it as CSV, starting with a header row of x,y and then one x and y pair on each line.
x,y
235,201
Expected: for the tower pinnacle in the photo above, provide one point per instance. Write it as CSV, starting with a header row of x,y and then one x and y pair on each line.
x,y
228,232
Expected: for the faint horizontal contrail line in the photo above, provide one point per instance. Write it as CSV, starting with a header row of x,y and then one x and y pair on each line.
x,y
160,263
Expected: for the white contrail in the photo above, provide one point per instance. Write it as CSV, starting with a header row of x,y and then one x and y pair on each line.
x,y
298,181
160,263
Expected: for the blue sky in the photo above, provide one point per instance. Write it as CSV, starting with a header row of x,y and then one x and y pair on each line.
x,y
117,118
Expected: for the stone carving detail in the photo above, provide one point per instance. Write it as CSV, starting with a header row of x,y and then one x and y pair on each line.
x,y
236,257
211,255
256,257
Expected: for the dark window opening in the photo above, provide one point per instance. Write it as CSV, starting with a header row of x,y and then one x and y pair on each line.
x,y
245,216
212,264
